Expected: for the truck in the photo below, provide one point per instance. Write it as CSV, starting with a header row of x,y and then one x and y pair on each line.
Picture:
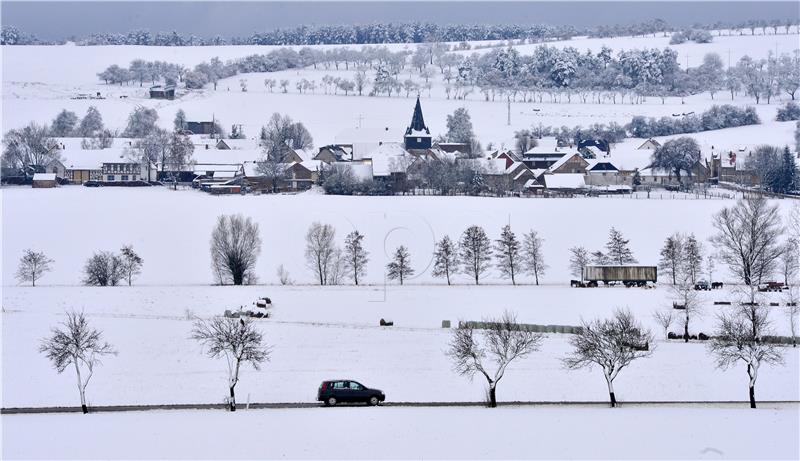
x,y
630,276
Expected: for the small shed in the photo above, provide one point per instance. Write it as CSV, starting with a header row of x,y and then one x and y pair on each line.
x,y
44,180
162,92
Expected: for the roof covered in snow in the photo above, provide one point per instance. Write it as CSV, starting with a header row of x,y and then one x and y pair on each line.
x,y
565,181
44,176
93,159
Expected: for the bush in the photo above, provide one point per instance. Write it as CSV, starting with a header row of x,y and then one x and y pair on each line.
x,y
715,118
789,112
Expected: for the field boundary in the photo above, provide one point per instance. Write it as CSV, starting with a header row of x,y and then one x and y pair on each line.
x,y
298,405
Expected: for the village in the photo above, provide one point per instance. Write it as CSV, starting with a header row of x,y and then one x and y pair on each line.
x,y
397,162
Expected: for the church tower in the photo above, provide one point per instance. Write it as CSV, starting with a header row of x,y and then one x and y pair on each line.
x,y
418,136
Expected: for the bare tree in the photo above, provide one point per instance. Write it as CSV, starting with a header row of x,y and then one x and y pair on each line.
x,y
672,256
356,257
532,256
32,266
664,320
337,268
612,344
747,238
283,276
502,342
235,246
686,296
320,250
788,260
238,340
579,258
739,338
103,269
131,263
76,344
400,266
693,251
507,252
618,250
475,252
445,259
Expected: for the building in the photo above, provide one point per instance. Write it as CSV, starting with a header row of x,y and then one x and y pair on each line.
x,y
650,144
569,163
123,170
418,136
44,180
202,127
545,153
162,92
333,153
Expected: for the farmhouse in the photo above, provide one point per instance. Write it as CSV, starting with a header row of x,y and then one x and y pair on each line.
x,y
162,92
569,163
206,128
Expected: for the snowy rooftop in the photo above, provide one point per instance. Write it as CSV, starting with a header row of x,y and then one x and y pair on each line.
x,y
248,144
389,158
93,159
565,181
226,155
44,176
369,135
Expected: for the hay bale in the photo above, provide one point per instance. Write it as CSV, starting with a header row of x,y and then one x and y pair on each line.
x,y
386,323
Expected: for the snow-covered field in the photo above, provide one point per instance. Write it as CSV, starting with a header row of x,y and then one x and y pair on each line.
x,y
412,433
39,81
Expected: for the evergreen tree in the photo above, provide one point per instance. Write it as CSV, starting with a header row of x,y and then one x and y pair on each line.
x,y
507,252
356,257
64,123
618,251
475,251
400,267
92,123
445,259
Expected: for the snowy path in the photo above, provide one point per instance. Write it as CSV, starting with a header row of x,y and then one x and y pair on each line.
x,y
412,433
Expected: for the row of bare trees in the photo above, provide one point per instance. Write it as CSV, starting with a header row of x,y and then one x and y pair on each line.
x,y
102,269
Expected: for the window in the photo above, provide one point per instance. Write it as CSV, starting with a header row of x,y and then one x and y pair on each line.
x,y
419,139
124,177
355,386
134,178
338,385
110,177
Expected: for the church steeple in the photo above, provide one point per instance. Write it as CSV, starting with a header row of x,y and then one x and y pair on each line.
x,y
418,136
417,121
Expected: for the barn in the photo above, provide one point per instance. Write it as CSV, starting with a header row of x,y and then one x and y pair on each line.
x,y
44,180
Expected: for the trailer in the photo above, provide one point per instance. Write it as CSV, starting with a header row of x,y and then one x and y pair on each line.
x,y
629,275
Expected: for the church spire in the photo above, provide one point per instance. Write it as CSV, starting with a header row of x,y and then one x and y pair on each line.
x,y
417,122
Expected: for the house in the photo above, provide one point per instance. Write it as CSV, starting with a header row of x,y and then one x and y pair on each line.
x,y
650,144
605,173
564,183
569,163
82,165
44,180
545,153
124,170
361,141
300,176
206,128
162,92
593,147
237,144
454,147
333,153
417,136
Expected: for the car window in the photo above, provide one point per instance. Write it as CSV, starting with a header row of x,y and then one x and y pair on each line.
x,y
355,386
338,385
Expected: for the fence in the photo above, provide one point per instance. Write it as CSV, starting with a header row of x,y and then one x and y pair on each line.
x,y
567,329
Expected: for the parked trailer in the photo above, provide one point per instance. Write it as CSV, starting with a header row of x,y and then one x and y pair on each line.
x,y
628,275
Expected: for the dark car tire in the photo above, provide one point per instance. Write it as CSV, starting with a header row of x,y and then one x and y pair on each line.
x,y
373,401
330,401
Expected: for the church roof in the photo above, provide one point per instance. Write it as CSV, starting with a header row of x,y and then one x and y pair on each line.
x,y
417,126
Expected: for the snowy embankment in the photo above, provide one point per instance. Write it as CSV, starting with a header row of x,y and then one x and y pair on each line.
x,y
413,433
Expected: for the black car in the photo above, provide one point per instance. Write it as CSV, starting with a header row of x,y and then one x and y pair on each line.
x,y
348,391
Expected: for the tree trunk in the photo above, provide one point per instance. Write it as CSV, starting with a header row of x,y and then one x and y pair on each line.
x,y
611,395
686,326
752,397
233,400
492,396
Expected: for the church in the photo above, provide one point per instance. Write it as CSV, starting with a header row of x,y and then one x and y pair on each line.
x,y
418,136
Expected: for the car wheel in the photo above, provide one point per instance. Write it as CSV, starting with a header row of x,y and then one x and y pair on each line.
x,y
372,401
331,401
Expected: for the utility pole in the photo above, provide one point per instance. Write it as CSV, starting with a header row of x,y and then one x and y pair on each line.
x,y
509,110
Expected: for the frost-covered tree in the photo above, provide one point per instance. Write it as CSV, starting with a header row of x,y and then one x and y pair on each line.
x,y
459,127
693,253
91,123
280,135
320,250
533,255
356,256
103,269
664,319
399,268
672,256
475,252
739,338
32,266
28,147
618,251
578,259
238,340
612,344
445,258
179,123
677,156
502,342
64,124
235,246
141,122
131,263
76,344
507,253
